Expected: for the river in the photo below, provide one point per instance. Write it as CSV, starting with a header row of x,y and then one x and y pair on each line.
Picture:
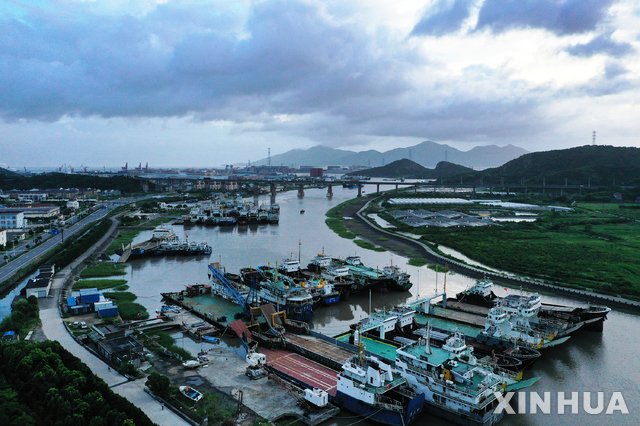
x,y
596,362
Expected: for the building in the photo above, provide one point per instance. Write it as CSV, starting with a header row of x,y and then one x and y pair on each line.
x,y
33,196
40,286
121,350
316,172
73,204
3,237
11,219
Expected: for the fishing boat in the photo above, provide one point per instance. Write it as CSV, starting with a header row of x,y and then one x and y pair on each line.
x,y
191,393
364,277
590,317
281,291
372,388
399,280
211,339
163,233
191,364
455,384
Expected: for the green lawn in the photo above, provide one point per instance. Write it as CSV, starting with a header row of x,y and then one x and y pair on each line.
x,y
99,284
104,270
124,238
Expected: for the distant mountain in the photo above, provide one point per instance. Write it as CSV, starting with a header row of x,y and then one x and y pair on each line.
x,y
412,170
598,165
427,154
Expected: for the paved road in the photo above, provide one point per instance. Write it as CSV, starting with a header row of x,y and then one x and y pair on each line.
x,y
37,252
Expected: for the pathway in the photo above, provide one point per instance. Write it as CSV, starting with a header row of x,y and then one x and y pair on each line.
x,y
54,329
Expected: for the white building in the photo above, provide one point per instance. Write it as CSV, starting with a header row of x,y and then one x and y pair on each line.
x,y
73,204
11,219
3,237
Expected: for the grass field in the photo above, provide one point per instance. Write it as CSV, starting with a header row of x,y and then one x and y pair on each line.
x,y
104,270
124,238
589,248
121,296
369,246
99,284
132,311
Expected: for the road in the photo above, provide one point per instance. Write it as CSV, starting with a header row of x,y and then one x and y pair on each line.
x,y
36,253
54,329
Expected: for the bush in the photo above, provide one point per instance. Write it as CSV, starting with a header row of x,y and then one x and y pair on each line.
x,y
159,384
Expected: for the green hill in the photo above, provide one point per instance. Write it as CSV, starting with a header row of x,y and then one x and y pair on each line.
x,y
412,170
597,165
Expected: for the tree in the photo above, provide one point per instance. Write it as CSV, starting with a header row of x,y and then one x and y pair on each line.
x,y
159,384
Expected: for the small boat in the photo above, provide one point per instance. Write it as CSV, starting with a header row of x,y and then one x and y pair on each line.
x,y
191,393
166,353
211,339
302,211
191,364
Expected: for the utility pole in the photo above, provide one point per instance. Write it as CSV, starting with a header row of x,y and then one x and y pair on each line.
x,y
594,138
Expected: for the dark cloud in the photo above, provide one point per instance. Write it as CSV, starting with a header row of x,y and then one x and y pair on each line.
x,y
445,17
561,17
603,44
178,61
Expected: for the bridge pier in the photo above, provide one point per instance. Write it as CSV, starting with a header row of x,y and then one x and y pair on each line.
x,y
330,191
272,191
396,189
359,189
415,189
377,188
301,190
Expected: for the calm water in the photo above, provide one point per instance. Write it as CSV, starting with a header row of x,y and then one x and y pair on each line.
x,y
594,362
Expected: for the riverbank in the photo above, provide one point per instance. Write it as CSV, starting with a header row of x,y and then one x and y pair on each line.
x,y
356,223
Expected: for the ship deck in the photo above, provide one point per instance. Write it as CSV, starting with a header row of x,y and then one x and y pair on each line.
x,y
443,324
460,316
209,306
321,347
467,307
310,373
376,347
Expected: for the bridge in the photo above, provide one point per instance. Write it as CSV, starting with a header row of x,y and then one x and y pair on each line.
x,y
256,186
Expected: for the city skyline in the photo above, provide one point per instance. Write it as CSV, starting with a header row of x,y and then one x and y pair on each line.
x,y
208,83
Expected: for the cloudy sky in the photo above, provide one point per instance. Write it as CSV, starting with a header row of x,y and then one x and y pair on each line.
x,y
206,82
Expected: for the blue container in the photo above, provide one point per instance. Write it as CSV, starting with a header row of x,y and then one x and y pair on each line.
x,y
108,312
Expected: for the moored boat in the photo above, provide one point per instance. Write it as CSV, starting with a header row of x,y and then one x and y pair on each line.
x,y
370,387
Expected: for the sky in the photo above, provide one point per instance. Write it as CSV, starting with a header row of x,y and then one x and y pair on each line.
x,y
206,83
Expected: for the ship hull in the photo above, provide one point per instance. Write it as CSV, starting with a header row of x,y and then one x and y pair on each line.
x,y
408,414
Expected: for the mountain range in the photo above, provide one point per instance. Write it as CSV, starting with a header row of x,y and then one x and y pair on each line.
x,y
427,154
406,168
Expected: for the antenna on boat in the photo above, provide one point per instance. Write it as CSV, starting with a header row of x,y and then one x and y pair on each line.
x,y
299,249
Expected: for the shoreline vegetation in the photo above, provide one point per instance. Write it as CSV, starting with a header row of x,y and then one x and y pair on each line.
x,y
595,247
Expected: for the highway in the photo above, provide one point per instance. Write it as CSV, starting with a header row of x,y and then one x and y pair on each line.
x,y
36,253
